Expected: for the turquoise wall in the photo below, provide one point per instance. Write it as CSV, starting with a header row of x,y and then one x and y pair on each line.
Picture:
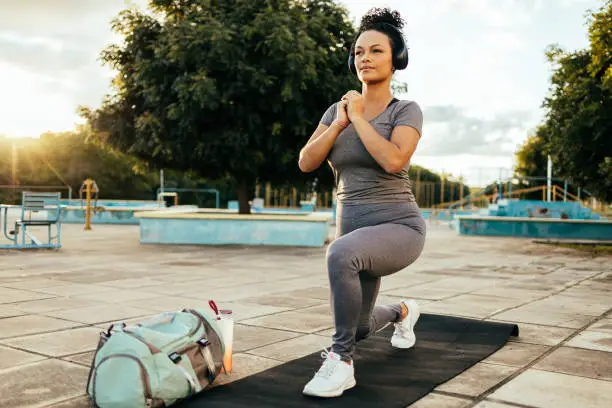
x,y
233,231
534,228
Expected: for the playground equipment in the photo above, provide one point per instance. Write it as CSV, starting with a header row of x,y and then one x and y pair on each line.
x,y
31,204
90,187
173,192
161,201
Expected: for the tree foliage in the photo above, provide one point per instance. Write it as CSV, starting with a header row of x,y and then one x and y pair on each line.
x,y
577,130
229,88
67,159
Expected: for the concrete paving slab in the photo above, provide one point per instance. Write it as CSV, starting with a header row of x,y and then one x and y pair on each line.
x,y
84,359
285,301
116,296
435,400
244,365
537,315
580,362
538,334
294,348
58,343
477,379
603,326
72,289
517,354
8,295
10,357
294,321
46,382
53,304
470,305
545,389
251,337
98,314
10,311
571,304
492,404
593,340
31,324
79,402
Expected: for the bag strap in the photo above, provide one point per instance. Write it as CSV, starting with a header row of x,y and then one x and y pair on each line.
x,y
205,351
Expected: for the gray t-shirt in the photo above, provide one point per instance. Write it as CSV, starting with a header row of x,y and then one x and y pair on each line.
x,y
359,178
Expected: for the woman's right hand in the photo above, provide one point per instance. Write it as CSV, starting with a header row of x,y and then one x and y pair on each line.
x,y
342,118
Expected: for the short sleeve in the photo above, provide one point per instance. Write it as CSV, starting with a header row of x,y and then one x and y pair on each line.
x,y
409,114
329,115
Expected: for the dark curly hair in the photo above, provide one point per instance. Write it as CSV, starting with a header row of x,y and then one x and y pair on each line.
x,y
376,17
379,19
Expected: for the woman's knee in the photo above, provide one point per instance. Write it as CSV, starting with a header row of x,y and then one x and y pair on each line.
x,y
340,258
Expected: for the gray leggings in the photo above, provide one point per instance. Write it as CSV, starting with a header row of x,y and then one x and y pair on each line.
x,y
372,241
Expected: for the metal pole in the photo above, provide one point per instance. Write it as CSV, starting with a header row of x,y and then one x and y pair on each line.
x,y
548,178
88,184
161,180
565,192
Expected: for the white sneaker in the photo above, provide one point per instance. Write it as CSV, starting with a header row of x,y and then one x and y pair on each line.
x,y
403,336
333,378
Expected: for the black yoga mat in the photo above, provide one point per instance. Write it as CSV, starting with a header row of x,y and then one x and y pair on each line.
x,y
386,377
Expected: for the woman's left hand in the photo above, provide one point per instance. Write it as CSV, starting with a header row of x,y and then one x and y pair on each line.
x,y
356,105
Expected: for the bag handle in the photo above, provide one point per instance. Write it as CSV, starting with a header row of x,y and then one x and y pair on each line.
x,y
152,348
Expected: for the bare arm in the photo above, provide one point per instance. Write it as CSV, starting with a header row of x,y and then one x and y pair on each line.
x,y
318,146
392,155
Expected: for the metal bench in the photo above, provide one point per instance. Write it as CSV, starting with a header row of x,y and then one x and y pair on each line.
x,y
34,203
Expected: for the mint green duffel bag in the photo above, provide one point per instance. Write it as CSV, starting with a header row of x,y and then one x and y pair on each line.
x,y
156,362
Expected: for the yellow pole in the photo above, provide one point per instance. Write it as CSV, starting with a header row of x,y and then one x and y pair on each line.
x,y
88,184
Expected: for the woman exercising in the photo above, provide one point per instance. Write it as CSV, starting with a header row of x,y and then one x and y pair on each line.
x,y
368,138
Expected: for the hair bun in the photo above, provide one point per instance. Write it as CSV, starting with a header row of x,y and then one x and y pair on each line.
x,y
375,16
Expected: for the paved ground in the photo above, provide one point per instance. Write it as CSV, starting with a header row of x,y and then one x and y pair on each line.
x,y
54,303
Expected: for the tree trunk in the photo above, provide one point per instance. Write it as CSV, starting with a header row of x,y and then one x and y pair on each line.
x,y
243,197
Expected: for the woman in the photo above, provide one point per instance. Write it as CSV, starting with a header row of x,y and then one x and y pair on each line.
x,y
368,138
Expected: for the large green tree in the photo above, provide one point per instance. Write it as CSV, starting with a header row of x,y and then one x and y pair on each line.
x,y
226,88
578,127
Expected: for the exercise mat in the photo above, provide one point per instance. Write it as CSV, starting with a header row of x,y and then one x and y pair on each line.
x,y
386,377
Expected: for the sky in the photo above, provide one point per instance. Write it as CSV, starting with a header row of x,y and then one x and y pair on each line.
x,y
477,69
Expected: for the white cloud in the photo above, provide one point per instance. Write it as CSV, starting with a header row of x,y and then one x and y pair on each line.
x,y
481,59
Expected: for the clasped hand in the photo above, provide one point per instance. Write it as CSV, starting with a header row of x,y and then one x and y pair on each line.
x,y
350,108
355,106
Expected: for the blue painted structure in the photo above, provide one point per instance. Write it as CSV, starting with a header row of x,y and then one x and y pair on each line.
x,y
535,219
112,211
534,227
204,227
534,208
114,203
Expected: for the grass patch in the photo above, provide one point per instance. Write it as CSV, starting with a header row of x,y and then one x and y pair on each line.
x,y
591,248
